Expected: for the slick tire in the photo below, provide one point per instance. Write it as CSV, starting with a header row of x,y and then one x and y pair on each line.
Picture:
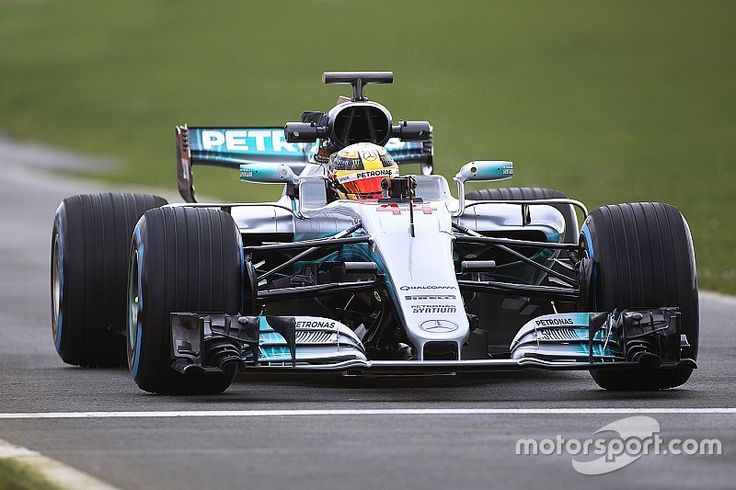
x,y
89,275
528,193
181,260
643,256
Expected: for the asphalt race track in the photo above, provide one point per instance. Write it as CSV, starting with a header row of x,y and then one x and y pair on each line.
x,y
369,433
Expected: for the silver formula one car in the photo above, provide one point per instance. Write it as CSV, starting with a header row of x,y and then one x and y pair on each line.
x,y
359,270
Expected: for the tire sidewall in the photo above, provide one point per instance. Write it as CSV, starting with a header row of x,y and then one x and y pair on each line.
x,y
57,256
149,356
587,235
134,335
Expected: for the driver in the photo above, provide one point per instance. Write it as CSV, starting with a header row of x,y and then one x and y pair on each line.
x,y
357,171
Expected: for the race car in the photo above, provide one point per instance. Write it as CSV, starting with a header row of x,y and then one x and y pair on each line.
x,y
358,269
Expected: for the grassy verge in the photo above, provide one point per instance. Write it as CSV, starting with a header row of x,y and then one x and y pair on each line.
x,y
608,101
15,475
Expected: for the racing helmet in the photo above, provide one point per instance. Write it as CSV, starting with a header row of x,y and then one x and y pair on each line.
x,y
358,171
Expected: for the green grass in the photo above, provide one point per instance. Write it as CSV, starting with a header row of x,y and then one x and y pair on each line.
x,y
608,101
15,475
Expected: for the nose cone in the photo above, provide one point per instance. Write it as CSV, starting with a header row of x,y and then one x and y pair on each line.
x,y
421,273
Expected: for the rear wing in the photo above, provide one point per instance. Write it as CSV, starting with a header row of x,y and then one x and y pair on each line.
x,y
231,147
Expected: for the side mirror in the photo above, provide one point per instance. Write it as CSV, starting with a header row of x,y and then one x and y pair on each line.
x,y
485,170
268,173
479,171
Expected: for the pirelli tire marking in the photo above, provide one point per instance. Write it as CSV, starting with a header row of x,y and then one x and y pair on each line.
x,y
431,297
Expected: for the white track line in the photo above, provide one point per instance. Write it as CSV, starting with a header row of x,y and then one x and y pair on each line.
x,y
54,471
367,411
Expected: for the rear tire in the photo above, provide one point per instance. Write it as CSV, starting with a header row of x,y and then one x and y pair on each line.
x,y
89,257
643,256
182,259
528,193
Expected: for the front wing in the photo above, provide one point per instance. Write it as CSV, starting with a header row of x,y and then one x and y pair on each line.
x,y
566,341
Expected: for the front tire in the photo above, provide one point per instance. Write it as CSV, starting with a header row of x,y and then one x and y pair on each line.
x,y
89,256
182,259
643,256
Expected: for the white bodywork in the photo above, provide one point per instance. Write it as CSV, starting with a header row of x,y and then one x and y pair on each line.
x,y
419,269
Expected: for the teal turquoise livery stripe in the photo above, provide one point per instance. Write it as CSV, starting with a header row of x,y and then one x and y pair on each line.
x,y
267,335
233,146
243,142
580,318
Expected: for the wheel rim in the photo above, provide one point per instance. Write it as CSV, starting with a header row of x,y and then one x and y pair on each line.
x,y
55,287
133,304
